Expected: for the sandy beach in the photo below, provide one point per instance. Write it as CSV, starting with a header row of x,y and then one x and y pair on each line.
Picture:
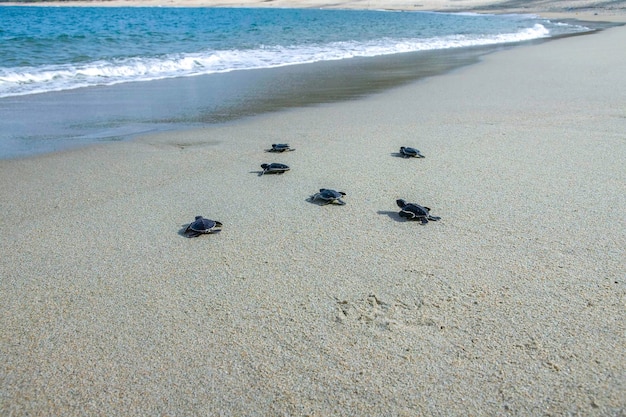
x,y
512,304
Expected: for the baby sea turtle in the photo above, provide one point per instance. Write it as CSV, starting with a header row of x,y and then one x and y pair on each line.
x,y
407,152
412,211
280,147
202,226
274,168
329,196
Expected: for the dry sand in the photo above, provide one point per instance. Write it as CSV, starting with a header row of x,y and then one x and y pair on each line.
x,y
512,304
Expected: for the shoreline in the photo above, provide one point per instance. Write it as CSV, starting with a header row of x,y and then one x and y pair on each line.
x,y
148,101
275,90
511,304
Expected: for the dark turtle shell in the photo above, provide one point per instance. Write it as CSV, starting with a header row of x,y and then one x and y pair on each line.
x,y
202,226
274,168
412,211
280,147
410,152
327,194
330,196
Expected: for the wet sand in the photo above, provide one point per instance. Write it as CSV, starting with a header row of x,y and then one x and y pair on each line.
x,y
512,304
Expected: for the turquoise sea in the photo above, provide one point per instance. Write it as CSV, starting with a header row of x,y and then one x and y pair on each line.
x,y
71,76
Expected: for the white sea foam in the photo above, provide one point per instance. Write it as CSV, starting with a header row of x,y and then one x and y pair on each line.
x,y
22,81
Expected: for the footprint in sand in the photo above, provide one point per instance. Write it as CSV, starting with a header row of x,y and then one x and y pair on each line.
x,y
375,312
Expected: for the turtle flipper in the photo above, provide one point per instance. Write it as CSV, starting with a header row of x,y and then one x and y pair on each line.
x,y
340,202
424,220
434,218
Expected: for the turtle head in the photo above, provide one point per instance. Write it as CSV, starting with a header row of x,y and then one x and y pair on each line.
x,y
198,217
401,203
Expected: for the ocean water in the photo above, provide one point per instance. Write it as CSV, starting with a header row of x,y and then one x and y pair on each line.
x,y
73,75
